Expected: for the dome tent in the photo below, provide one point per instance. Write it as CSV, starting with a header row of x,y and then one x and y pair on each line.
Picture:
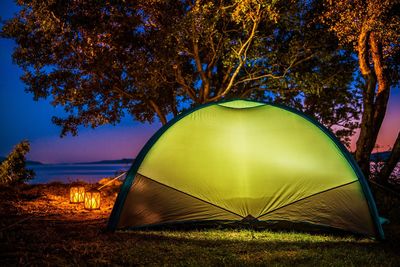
x,y
235,160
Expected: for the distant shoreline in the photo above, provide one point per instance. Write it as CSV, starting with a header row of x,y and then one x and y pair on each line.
x,y
68,172
118,161
378,156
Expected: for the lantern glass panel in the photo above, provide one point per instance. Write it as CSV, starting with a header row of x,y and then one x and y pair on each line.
x,y
92,200
76,194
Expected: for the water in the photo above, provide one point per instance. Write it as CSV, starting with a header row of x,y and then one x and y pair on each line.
x,y
94,172
71,172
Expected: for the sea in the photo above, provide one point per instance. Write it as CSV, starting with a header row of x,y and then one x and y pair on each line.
x,y
67,173
92,173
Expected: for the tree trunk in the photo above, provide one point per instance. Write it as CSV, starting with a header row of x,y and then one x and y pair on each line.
x,y
158,111
374,103
366,142
391,163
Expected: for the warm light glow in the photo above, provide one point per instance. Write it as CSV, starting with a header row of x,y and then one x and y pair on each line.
x,y
92,200
76,194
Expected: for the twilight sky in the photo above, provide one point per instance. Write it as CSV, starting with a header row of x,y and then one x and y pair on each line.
x,y
23,118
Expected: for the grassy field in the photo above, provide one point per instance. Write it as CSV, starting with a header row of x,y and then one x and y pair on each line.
x,y
54,233
216,247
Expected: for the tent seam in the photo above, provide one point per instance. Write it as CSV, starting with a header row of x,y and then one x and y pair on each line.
x,y
219,105
304,198
202,200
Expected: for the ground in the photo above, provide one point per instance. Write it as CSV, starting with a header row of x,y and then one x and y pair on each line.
x,y
39,227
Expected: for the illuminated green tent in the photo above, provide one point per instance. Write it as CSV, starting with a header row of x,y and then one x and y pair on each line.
x,y
243,160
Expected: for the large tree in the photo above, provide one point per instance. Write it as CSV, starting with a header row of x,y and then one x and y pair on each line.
x,y
100,59
372,29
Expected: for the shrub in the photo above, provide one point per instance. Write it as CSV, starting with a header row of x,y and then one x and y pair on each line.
x,y
13,169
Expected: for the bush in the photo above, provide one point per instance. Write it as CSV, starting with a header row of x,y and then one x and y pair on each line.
x,y
13,169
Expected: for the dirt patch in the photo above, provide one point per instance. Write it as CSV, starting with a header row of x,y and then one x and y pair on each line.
x,y
39,225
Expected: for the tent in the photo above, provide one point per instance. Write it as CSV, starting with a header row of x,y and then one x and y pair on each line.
x,y
242,160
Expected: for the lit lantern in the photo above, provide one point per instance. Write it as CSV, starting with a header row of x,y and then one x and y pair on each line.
x,y
76,194
92,199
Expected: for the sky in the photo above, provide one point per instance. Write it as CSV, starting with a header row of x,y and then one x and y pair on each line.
x,y
23,118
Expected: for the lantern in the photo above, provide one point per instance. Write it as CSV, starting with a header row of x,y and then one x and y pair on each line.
x,y
76,194
92,199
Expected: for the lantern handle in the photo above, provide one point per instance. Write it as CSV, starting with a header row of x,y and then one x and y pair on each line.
x,y
115,178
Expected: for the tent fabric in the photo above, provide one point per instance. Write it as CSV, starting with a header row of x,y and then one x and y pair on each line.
x,y
230,160
342,208
151,203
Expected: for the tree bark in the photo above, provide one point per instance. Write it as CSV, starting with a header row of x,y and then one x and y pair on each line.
x,y
382,95
374,103
364,141
391,163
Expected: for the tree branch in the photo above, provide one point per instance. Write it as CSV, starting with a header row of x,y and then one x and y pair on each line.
x,y
206,84
157,110
270,75
181,81
242,55
377,58
363,51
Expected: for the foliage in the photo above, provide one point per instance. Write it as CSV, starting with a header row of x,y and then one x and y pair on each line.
x,y
13,169
359,24
372,29
102,60
348,19
377,167
321,86
380,161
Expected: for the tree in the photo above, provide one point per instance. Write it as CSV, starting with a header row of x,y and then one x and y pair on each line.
x,y
321,85
100,60
13,169
391,163
372,29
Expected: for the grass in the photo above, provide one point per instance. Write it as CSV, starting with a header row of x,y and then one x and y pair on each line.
x,y
243,247
71,236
